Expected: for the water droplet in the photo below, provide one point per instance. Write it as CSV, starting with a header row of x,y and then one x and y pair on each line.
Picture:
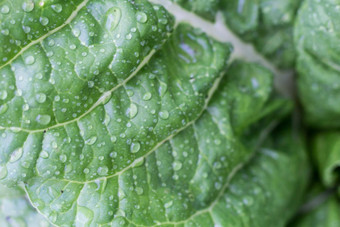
x,y
5,9
29,60
162,88
101,158
76,32
44,21
113,16
113,139
86,171
16,155
63,158
3,95
164,114
177,165
5,32
113,154
141,17
128,36
168,204
68,168
133,110
90,84
72,46
102,171
163,21
107,119
26,29
41,97
43,119
135,147
147,96
28,6
3,172
130,93
44,154
91,141
3,108
57,8
139,190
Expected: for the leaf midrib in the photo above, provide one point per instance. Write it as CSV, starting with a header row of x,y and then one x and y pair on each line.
x,y
211,92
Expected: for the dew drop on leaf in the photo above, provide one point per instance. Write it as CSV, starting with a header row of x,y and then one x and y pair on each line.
x,y
44,21
86,171
3,95
29,60
73,47
102,171
16,155
135,147
3,172
3,108
5,9
41,98
141,17
177,165
44,154
133,110
162,89
63,158
28,6
57,8
147,96
113,16
164,114
76,32
43,119
139,190
91,141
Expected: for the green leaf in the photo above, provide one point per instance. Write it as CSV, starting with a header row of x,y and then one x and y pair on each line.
x,y
113,116
15,210
172,182
206,8
326,154
267,24
325,214
317,41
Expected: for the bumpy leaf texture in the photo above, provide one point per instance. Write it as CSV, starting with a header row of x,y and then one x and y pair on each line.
x,y
317,40
267,24
111,116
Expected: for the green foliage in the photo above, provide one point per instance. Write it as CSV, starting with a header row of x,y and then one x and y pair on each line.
x,y
114,113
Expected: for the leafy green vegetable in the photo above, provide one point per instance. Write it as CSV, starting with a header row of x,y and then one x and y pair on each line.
x,y
326,212
267,24
325,215
15,210
326,153
113,113
317,41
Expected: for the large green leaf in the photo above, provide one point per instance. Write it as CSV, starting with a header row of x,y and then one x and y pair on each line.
x,y
317,40
111,116
15,210
267,24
